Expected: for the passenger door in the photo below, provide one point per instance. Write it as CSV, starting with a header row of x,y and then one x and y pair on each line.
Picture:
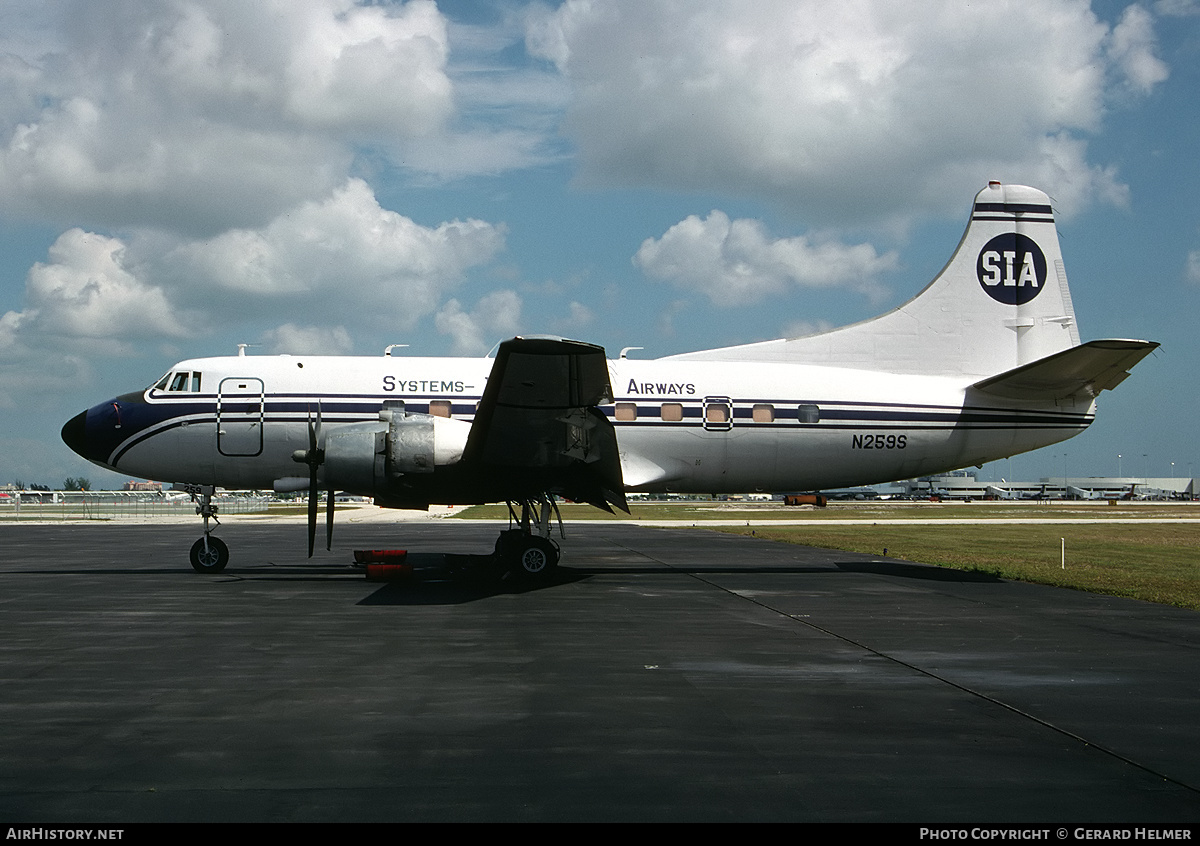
x,y
240,402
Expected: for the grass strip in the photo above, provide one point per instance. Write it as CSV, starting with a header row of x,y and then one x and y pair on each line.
x,y
1155,562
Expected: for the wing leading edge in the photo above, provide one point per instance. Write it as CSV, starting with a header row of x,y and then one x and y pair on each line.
x,y
538,426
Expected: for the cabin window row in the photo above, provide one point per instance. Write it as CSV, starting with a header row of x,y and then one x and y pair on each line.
x,y
718,412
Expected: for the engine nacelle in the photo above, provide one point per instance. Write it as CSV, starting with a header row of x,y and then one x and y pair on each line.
x,y
366,457
418,443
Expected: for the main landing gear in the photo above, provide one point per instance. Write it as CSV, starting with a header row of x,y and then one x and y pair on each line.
x,y
209,554
527,552
524,551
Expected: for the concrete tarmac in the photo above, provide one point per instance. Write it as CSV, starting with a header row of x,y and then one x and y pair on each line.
x,y
664,675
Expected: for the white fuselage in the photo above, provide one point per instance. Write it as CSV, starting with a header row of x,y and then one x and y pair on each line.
x,y
684,426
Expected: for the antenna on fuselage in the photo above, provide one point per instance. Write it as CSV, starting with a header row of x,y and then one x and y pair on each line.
x,y
627,350
390,347
242,349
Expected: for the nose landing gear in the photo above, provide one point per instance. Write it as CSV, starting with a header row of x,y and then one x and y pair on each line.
x,y
209,554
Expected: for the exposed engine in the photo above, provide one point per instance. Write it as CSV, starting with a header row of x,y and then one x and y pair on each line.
x,y
366,457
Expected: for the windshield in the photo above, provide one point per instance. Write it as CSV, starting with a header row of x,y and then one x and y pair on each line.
x,y
180,381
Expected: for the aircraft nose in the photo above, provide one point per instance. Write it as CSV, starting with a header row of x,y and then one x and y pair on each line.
x,y
74,434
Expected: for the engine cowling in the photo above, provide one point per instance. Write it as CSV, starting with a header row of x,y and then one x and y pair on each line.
x,y
366,457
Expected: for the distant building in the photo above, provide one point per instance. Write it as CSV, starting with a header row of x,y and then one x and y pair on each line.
x,y
965,486
142,486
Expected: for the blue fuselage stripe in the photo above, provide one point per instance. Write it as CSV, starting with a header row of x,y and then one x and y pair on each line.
x,y
151,418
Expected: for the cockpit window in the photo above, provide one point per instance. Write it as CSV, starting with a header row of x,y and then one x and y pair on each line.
x,y
180,381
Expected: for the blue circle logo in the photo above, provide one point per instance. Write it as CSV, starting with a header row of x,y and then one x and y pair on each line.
x,y
1011,268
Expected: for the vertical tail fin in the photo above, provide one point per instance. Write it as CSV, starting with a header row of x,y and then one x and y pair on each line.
x,y
999,303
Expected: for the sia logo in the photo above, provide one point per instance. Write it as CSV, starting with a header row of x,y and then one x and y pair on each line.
x,y
1011,269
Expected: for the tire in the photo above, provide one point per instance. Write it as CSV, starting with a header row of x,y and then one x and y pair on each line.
x,y
536,558
210,560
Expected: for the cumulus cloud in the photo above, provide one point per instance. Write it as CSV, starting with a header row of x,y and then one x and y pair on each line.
x,y
1193,267
87,291
87,300
34,379
344,257
199,116
863,111
346,251
578,317
1132,47
308,340
1177,8
735,262
494,317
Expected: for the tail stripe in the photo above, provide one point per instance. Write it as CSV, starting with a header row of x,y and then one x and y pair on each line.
x,y
1014,208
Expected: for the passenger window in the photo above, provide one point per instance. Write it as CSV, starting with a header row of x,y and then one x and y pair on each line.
x,y
625,411
439,408
672,412
763,413
808,414
718,414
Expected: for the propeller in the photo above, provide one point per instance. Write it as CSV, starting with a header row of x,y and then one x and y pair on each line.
x,y
329,520
314,457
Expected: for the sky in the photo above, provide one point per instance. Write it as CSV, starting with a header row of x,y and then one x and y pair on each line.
x,y
178,177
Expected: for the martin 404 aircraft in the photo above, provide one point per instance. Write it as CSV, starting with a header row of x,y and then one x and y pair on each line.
x,y
984,363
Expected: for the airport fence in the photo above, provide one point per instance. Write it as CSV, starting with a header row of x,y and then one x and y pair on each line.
x,y
114,505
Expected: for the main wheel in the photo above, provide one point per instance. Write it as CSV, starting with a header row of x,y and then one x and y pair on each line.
x,y
536,558
209,555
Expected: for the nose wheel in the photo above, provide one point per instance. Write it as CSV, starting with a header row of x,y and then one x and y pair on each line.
x,y
209,555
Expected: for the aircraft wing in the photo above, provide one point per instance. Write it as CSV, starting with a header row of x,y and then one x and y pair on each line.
x,y
1085,370
538,427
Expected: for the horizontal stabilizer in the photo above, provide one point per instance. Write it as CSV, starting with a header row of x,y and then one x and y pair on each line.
x,y
1084,370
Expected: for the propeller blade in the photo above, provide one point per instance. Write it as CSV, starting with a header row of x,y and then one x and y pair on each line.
x,y
313,459
312,509
329,521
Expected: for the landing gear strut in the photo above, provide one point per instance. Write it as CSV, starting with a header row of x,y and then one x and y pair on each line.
x,y
209,554
527,550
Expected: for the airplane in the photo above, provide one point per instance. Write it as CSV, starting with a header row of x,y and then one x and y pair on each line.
x,y
984,363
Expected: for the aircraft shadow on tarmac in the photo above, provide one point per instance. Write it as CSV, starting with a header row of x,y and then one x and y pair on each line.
x,y
454,589
423,591
908,570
